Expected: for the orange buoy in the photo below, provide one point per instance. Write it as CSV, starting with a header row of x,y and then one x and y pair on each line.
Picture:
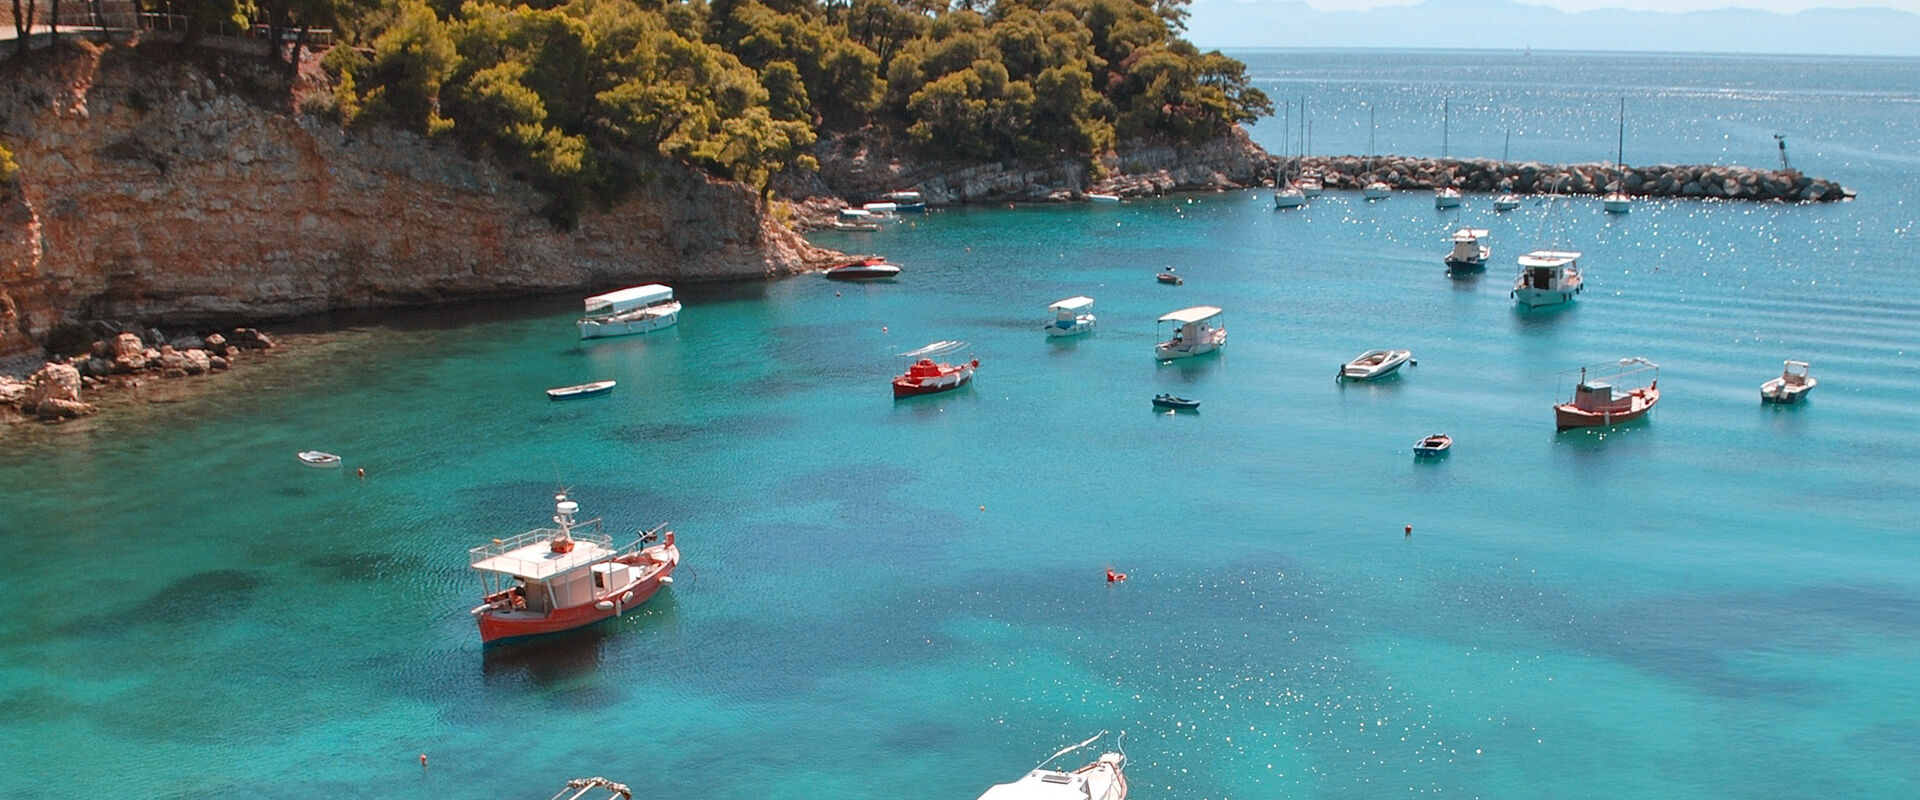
x,y
1115,577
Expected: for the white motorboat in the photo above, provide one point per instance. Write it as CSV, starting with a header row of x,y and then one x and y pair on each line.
x,y
1446,197
907,201
315,458
1289,196
1102,779
580,390
857,219
1194,333
1311,186
1506,202
1794,383
1374,364
1099,197
1547,277
1071,317
873,268
635,309
1470,251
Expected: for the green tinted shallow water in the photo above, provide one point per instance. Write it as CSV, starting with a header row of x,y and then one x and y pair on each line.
x,y
1719,602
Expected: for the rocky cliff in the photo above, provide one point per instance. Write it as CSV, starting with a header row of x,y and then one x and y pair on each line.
x,y
160,191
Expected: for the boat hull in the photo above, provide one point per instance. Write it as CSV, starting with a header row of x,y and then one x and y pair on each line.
x,y
1778,392
1168,351
1073,327
1537,298
1506,204
1171,403
1292,199
498,625
1366,367
1371,193
947,381
1637,403
624,325
1446,200
1433,446
1617,206
865,272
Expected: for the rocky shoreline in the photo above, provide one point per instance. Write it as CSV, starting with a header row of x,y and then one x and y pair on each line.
x,y
1529,177
56,390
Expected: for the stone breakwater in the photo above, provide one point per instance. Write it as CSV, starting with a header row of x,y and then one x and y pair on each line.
x,y
1527,177
53,392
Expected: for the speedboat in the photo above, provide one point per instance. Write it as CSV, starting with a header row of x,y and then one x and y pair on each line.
x,y
1374,364
1606,394
1102,779
1071,317
549,580
635,309
1098,197
1376,190
927,376
593,389
1469,252
1167,276
1194,333
1793,384
1172,403
1547,277
315,458
1446,197
1436,445
866,269
1506,202
1289,196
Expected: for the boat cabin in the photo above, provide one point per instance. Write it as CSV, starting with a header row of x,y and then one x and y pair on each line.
x,y
1192,324
1546,269
1466,244
628,299
548,568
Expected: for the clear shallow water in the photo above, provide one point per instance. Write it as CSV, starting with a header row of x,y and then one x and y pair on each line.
x,y
1717,603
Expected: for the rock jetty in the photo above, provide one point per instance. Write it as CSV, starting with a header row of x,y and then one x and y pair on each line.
x,y
1529,177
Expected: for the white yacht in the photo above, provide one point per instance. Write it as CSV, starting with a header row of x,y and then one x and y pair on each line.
x,y
635,309
1071,317
1547,278
1194,333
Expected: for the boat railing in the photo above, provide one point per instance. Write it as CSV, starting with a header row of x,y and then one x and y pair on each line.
x,y
501,547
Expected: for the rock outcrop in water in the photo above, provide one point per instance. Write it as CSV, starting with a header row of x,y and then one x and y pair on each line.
x,y
1484,175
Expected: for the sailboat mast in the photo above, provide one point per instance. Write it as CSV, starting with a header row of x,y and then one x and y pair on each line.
x,y
1446,118
1620,152
1506,146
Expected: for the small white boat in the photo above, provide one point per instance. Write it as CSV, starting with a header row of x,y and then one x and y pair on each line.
x,y
1194,333
580,390
1436,445
1071,317
1374,364
1102,779
1376,191
1506,202
315,458
1547,277
1446,197
635,309
907,201
1470,251
856,219
1617,202
1311,186
1098,197
1793,384
1167,276
1289,196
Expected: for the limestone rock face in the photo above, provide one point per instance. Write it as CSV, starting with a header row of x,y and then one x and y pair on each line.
x,y
129,353
150,190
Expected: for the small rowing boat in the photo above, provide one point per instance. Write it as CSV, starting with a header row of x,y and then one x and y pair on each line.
x,y
593,389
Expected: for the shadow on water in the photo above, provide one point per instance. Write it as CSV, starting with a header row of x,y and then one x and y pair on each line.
x,y
1542,317
203,598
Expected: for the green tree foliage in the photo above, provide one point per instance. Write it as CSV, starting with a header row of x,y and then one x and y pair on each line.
x,y
569,93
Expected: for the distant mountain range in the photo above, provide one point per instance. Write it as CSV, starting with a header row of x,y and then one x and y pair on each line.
x,y
1507,25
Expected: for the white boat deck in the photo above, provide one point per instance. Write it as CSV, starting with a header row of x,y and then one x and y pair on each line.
x,y
535,560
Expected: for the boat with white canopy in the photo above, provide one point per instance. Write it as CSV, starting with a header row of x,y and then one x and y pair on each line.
x,y
1195,332
927,376
1794,383
1102,779
1071,317
1470,250
1547,277
635,309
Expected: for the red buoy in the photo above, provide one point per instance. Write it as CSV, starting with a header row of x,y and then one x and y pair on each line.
x,y
423,760
1115,577
1409,530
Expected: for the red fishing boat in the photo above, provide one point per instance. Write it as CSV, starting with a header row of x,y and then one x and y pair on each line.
x,y
1608,395
549,580
926,376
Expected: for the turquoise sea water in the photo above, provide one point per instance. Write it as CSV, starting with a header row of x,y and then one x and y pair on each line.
x,y
884,597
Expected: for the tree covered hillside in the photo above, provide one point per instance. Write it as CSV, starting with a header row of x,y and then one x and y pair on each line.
x,y
564,92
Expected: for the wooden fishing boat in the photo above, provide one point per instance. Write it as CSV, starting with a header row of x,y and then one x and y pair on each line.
x,y
1172,403
1600,399
549,580
1438,444
1194,333
927,376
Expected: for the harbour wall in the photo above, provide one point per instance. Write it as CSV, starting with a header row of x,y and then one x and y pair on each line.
x,y
1530,177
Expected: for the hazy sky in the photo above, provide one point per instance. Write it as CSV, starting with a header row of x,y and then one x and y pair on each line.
x,y
1781,6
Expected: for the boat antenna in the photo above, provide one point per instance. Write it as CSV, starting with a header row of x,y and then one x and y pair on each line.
x,y
1071,748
